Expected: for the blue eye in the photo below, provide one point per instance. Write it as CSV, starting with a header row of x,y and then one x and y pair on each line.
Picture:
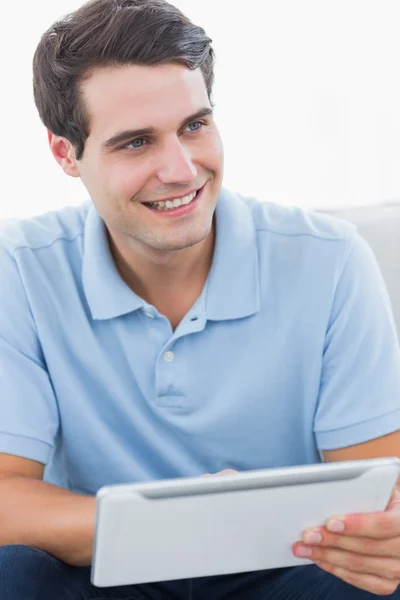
x,y
138,143
195,126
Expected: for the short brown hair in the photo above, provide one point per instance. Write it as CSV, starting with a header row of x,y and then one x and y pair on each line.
x,y
106,33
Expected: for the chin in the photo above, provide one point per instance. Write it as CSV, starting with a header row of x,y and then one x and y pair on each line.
x,y
182,244
176,246
169,243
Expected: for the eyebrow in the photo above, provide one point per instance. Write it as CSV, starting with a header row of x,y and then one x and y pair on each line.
x,y
129,134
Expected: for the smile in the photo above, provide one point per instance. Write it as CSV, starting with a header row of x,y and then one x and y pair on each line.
x,y
176,207
173,203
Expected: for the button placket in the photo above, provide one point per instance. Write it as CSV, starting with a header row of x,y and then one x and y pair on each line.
x,y
169,378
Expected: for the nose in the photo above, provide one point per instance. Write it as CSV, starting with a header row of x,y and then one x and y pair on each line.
x,y
176,164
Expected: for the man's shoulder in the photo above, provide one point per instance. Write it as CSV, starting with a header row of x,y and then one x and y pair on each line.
x,y
45,230
292,221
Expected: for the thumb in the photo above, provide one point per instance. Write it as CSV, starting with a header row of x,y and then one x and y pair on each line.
x,y
394,503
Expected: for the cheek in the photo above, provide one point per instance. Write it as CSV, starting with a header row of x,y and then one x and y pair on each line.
x,y
127,177
218,148
94,180
212,152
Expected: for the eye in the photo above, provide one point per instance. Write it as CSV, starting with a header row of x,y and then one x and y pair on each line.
x,y
136,144
195,126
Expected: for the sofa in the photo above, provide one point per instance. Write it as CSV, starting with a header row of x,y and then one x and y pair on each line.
x,y
380,226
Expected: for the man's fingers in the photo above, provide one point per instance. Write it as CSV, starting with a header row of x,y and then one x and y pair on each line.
x,y
379,526
369,583
386,568
358,545
224,472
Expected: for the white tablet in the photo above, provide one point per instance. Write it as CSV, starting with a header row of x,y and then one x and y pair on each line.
x,y
202,526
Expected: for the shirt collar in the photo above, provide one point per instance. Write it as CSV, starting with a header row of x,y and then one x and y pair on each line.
x,y
107,293
232,289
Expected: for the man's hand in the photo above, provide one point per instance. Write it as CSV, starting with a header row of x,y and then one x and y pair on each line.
x,y
224,472
363,550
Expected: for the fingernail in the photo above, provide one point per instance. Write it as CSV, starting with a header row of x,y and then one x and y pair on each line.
x,y
312,537
335,525
303,552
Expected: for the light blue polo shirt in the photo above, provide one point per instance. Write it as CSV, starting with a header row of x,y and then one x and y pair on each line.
x,y
289,350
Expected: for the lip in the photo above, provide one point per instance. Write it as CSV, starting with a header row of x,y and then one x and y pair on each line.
x,y
180,210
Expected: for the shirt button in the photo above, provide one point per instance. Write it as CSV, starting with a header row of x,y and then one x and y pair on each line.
x,y
169,356
149,314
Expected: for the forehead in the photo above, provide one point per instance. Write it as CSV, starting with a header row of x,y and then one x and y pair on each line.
x,y
136,96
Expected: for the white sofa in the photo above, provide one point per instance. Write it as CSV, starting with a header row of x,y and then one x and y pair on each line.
x,y
380,226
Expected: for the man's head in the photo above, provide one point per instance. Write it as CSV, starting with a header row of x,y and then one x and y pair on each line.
x,y
124,88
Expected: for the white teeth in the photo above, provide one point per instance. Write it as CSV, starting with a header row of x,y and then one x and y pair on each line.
x,y
175,203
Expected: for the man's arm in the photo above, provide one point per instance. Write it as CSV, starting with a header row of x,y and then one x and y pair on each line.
x,y
38,514
387,445
360,383
32,512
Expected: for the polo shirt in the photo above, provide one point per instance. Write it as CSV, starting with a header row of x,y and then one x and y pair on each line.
x,y
289,350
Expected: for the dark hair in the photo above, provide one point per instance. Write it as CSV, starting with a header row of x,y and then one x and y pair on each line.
x,y
106,33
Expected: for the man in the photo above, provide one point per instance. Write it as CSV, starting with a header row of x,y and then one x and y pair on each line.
x,y
170,328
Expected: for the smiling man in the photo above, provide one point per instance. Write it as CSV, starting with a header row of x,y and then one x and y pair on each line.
x,y
160,211
168,327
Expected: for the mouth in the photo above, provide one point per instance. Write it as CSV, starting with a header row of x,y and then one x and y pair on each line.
x,y
175,206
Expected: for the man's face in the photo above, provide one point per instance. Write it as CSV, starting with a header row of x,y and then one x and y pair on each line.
x,y
152,138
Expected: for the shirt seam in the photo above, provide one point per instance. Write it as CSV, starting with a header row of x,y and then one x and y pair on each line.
x,y
358,423
37,362
44,247
326,238
26,437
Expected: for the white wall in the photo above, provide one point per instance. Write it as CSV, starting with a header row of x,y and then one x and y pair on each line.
x,y
307,94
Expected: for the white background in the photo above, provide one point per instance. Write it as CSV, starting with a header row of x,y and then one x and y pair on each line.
x,y
307,100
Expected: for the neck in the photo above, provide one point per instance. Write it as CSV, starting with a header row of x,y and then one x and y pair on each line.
x,y
154,274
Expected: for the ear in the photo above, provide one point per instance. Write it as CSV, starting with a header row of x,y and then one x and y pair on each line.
x,y
64,153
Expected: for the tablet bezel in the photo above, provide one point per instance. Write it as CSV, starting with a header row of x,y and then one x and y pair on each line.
x,y
255,479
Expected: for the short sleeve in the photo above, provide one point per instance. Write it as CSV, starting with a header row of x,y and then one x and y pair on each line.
x,y
29,419
359,395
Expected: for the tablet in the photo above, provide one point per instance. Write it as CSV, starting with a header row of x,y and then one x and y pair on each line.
x,y
203,526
